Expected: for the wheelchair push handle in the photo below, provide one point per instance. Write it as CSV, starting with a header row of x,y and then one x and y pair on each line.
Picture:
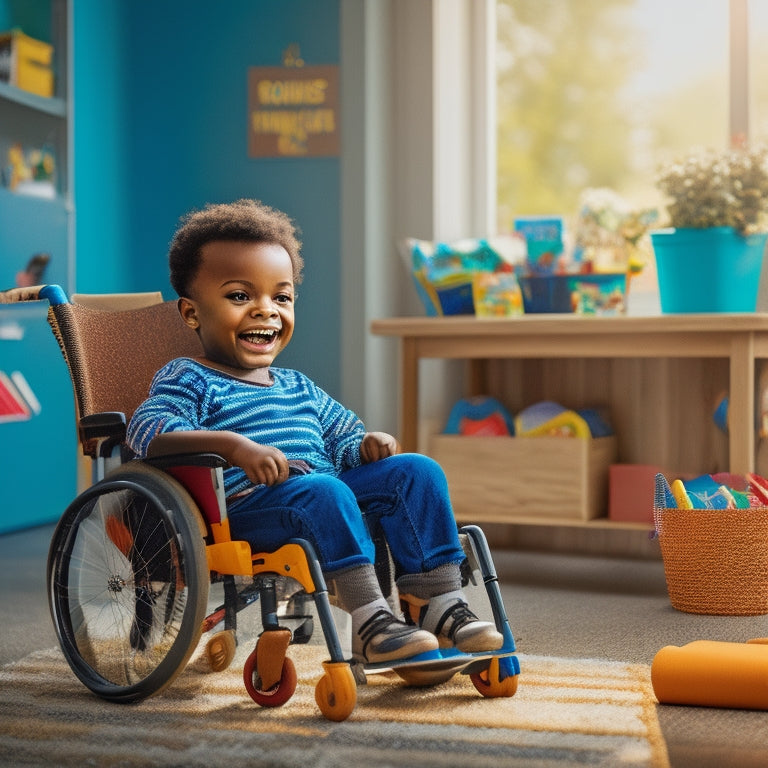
x,y
54,294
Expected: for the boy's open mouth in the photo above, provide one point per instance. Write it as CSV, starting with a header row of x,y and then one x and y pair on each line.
x,y
262,336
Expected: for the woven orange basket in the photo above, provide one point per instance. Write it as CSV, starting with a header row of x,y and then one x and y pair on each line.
x,y
715,560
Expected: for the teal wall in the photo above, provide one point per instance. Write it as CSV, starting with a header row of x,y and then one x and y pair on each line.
x,y
161,127
33,17
103,238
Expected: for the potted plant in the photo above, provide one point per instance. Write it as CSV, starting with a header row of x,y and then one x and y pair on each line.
x,y
709,258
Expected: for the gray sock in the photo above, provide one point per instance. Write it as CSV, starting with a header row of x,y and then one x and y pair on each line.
x,y
355,586
444,578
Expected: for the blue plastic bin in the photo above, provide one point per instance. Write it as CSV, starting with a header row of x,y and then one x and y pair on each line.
x,y
555,293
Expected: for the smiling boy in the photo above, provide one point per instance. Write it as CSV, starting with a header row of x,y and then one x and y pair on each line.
x,y
300,463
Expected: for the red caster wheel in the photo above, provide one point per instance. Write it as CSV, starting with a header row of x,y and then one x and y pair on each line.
x,y
275,695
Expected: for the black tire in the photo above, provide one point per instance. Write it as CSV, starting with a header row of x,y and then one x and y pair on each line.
x,y
128,582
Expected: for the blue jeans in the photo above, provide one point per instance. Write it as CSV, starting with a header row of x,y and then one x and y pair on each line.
x,y
406,495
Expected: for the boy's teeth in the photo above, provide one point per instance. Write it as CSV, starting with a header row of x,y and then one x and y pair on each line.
x,y
260,335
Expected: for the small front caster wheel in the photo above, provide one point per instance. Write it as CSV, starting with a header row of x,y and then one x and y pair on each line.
x,y
276,695
491,684
336,691
220,650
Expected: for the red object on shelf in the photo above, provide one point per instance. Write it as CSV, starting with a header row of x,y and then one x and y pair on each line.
x,y
12,405
630,492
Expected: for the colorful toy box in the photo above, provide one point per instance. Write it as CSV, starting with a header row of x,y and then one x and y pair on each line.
x,y
465,277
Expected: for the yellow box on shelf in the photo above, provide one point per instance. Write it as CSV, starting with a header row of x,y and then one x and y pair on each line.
x,y
26,63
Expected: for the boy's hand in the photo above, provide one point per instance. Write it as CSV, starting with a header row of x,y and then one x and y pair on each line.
x,y
378,445
263,464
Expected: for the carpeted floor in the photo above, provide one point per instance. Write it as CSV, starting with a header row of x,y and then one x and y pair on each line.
x,y
612,611
566,712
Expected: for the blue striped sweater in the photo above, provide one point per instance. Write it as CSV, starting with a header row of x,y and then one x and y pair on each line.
x,y
293,414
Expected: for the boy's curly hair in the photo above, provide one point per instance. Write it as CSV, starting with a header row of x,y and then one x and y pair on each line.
x,y
248,221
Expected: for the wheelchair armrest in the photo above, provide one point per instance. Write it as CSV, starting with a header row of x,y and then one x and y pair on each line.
x,y
101,432
212,460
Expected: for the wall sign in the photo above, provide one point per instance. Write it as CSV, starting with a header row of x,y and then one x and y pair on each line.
x,y
293,111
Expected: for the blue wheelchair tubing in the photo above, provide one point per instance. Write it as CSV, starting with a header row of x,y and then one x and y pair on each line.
x,y
54,294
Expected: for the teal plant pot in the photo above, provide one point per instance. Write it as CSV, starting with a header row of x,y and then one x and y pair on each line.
x,y
708,270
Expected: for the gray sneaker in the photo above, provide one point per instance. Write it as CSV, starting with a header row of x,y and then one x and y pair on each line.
x,y
383,638
450,619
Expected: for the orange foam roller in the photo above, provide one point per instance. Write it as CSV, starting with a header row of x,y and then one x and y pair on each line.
x,y
710,673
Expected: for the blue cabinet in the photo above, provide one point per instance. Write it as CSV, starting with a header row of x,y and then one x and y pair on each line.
x,y
30,226
38,450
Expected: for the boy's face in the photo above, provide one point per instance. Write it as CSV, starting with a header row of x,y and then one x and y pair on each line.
x,y
241,304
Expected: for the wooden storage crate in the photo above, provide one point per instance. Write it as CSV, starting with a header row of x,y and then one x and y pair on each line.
x,y
530,479
26,63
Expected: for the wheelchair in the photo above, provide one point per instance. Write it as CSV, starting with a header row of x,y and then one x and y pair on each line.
x,y
132,558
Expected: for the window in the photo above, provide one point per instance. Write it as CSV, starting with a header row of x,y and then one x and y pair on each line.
x,y
757,64
595,93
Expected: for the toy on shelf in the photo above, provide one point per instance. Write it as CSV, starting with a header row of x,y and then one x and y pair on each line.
x,y
720,417
481,417
464,277
759,486
544,239
30,171
484,416
26,63
541,419
496,294
709,673
611,235
547,418
588,273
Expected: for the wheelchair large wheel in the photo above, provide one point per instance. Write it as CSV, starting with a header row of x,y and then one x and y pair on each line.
x,y
128,582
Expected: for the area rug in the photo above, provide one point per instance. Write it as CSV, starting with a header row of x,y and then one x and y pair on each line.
x,y
565,712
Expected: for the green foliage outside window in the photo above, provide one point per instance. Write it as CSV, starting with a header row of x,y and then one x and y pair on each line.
x,y
561,127
568,118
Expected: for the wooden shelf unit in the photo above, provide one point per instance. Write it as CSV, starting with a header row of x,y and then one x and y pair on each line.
x,y
659,377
